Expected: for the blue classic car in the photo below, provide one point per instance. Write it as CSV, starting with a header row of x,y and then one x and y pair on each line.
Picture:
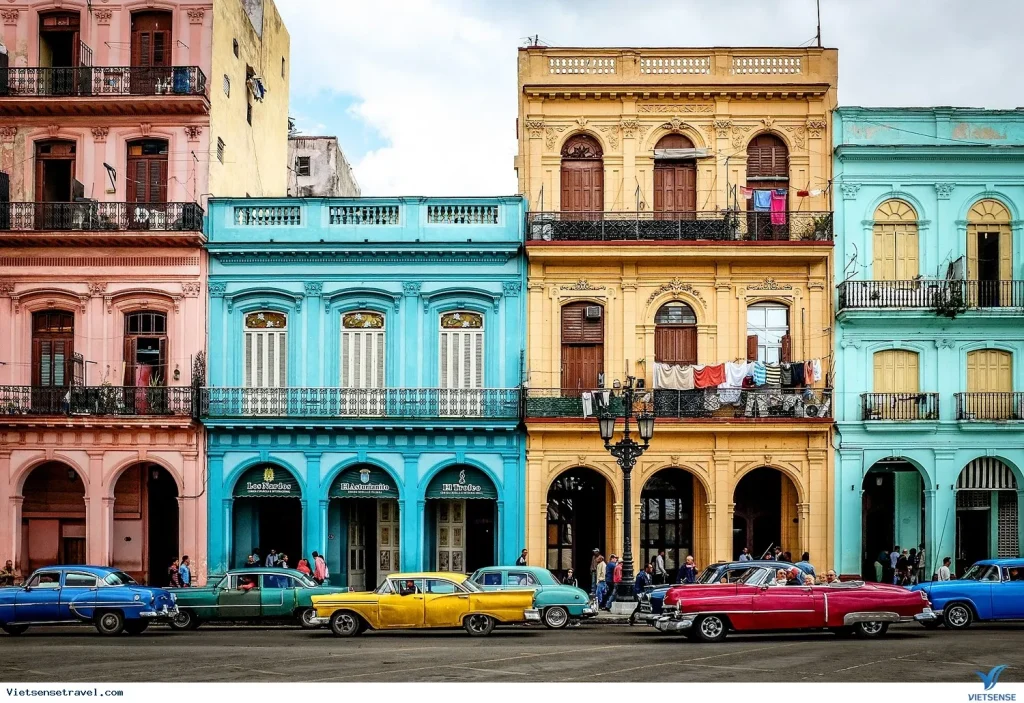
x,y
992,589
651,602
107,598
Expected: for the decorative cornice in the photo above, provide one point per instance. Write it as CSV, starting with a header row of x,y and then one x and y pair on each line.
x,y
511,289
216,288
53,129
232,258
847,343
313,287
816,127
191,289
102,16
97,288
722,128
145,128
945,343
944,190
677,285
6,288
676,108
850,190
411,288
99,134
581,284
10,16
193,132
195,15
8,133
770,284
629,128
535,128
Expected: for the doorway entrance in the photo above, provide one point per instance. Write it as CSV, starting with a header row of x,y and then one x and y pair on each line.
x,y
55,171
576,526
52,518
462,520
365,518
765,514
892,513
60,53
146,523
675,178
986,513
266,514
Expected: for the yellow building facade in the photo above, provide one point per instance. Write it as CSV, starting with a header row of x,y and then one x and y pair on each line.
x,y
647,246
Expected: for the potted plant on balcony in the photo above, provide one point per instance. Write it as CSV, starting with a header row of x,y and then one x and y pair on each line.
x,y
948,301
821,228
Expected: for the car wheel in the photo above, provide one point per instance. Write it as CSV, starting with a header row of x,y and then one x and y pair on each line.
x,y
556,617
345,624
13,629
306,618
958,616
136,627
931,624
109,622
710,628
871,629
478,625
184,620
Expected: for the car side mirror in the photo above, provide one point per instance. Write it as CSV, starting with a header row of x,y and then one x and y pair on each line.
x,y
764,586
27,587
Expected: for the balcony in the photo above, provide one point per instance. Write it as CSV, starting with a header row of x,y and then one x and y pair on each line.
x,y
983,407
900,407
96,401
937,294
103,90
725,227
718,403
114,224
361,404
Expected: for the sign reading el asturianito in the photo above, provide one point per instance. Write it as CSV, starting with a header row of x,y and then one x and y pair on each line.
x,y
363,482
265,481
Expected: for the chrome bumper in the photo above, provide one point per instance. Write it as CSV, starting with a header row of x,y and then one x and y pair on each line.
x,y
532,615
928,615
589,612
164,612
320,622
667,624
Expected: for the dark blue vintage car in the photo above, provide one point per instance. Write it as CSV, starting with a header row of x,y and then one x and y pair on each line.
x,y
651,602
106,598
992,589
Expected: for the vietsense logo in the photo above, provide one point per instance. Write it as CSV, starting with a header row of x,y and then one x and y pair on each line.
x,y
989,680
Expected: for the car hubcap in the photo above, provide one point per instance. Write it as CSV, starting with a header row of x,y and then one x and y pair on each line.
x,y
347,623
872,628
478,623
556,617
109,622
711,627
307,616
958,616
182,619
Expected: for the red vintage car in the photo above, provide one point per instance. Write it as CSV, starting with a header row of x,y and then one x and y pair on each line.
x,y
755,604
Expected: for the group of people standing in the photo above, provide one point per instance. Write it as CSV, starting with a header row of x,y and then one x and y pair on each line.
x,y
902,567
317,570
179,573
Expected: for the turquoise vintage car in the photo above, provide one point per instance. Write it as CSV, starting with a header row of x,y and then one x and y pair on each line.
x,y
559,604
250,594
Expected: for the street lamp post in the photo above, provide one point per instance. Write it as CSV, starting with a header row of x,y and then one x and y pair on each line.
x,y
626,451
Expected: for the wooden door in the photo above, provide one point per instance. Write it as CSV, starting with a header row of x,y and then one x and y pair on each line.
x,y
151,52
451,535
147,171
356,548
582,186
582,345
53,342
675,345
675,187
989,375
896,371
387,538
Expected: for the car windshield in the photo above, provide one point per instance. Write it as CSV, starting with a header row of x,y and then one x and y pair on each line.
x,y
305,580
982,572
708,575
545,577
754,577
118,578
471,587
384,588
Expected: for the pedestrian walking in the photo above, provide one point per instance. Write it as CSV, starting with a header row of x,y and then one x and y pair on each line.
x,y
185,572
805,564
521,561
600,587
320,572
660,572
594,573
643,581
303,566
7,574
570,578
745,555
688,571
609,581
174,575
271,559
944,573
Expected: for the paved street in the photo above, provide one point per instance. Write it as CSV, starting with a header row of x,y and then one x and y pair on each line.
x,y
594,652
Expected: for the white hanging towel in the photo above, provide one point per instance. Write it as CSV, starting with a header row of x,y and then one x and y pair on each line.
x,y
677,378
816,370
729,392
588,404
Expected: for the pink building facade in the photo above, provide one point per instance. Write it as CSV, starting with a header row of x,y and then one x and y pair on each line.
x,y
104,161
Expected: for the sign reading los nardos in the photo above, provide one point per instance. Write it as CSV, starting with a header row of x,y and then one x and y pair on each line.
x,y
267,482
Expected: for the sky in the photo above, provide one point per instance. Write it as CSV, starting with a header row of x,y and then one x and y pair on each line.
x,y
422,93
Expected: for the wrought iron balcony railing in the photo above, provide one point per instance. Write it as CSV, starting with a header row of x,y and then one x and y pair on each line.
x,y
96,400
722,403
92,216
718,226
366,403
101,81
931,293
989,406
899,406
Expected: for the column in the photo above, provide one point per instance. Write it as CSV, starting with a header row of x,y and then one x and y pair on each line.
x,y
321,542
411,509
631,322
803,511
314,525
312,371
721,536
99,515
616,541
849,506
941,510
704,552
501,548
410,368
14,504
1020,521
221,560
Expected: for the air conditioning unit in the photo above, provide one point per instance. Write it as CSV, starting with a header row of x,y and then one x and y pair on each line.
x,y
593,312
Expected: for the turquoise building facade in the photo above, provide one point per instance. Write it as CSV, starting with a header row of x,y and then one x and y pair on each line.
x,y
929,341
363,393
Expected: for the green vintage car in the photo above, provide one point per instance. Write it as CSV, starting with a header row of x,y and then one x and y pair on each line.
x,y
250,594
559,604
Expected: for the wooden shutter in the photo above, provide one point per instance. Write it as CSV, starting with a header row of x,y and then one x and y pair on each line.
x,y
162,368
906,267
884,253
266,358
675,187
787,349
675,345
577,329
581,365
158,181
582,185
972,254
37,362
138,177
989,371
751,347
896,371
362,358
129,357
462,358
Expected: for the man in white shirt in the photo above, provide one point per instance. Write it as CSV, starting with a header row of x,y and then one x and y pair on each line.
x,y
944,574
660,573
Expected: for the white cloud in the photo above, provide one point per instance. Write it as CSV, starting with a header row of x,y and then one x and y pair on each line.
x,y
437,78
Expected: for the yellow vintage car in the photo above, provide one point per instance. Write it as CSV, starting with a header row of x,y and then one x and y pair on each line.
x,y
424,600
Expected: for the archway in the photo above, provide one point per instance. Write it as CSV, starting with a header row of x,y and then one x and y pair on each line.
x,y
892,514
577,519
146,523
673,516
582,177
461,531
52,517
765,514
768,176
675,178
363,512
266,514
986,513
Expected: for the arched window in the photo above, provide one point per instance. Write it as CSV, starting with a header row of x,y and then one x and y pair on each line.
x,y
675,175
675,334
266,349
582,175
768,160
768,333
990,386
768,176
895,242
990,253
461,350
896,371
145,348
362,349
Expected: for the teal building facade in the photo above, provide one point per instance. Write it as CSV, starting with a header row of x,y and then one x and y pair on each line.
x,y
363,387
929,335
